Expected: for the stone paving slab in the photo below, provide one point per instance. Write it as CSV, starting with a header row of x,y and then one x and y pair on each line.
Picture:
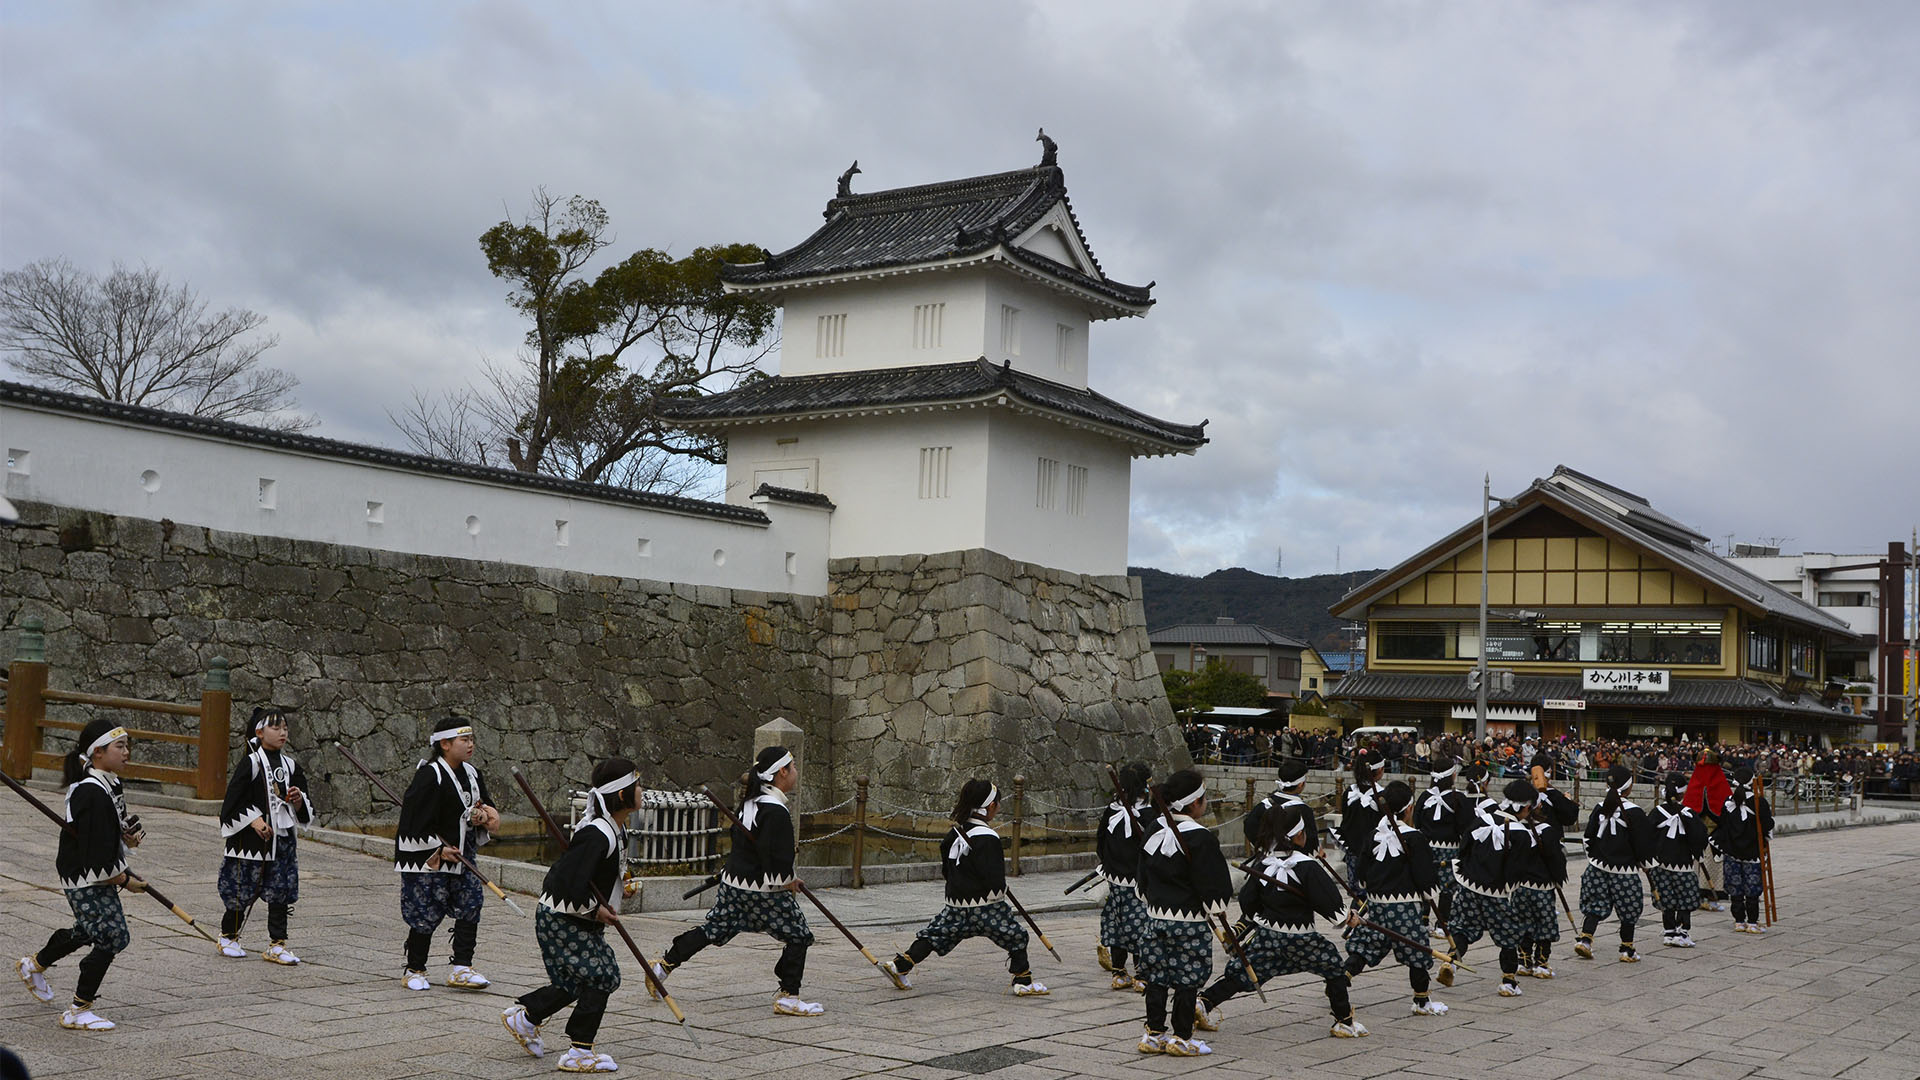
x,y
1829,994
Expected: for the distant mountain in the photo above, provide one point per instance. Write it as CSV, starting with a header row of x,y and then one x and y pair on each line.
x,y
1293,606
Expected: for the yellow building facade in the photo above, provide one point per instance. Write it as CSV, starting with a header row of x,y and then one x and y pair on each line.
x,y
1615,620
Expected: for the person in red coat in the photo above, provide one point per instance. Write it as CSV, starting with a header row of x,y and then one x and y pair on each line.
x,y
1709,788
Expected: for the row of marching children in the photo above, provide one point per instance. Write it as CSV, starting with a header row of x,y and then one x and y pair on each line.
x,y
1453,863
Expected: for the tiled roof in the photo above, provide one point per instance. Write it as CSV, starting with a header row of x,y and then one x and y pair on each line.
x,y
139,415
935,223
1687,693
1630,517
793,495
977,381
1222,634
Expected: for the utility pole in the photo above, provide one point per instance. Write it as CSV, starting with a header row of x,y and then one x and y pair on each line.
x,y
1910,656
1480,673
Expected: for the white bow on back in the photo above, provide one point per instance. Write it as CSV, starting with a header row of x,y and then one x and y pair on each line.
x,y
1386,840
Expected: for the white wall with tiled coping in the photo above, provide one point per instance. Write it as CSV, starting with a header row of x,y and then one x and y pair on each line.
x,y
118,467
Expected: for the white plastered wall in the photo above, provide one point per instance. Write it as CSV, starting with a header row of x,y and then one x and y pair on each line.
x,y
870,467
1092,542
879,329
113,467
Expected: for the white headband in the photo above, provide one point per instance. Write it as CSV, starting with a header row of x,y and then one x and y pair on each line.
x,y
1300,783
1444,773
1298,828
109,738
612,787
1188,799
773,770
268,717
993,796
448,733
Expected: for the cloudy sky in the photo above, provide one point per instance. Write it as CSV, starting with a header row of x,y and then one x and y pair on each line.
x,y
1676,246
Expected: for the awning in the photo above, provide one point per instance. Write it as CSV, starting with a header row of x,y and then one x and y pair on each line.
x,y
1511,714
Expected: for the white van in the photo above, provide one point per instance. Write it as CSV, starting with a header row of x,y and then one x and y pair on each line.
x,y
1381,732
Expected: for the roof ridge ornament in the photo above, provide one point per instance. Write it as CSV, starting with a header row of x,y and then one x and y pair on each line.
x,y
1049,150
846,180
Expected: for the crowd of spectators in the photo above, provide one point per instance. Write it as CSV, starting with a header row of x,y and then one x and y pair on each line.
x,y
1842,771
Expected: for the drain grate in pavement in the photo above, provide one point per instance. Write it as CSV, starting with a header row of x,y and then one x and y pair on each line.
x,y
984,1060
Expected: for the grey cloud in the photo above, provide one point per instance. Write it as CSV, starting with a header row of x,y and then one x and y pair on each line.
x,y
1399,245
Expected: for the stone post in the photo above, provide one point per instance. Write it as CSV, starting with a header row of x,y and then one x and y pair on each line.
x,y
781,731
216,726
859,833
1019,811
26,678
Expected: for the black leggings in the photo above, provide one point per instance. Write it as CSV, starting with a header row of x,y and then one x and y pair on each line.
x,y
1416,976
465,936
1745,909
235,918
93,966
1017,963
1225,987
1676,921
589,1006
1183,1002
789,969
1592,923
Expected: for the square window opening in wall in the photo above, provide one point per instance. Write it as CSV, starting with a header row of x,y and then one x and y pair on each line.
x,y
1076,490
18,462
1009,330
793,563
562,532
376,512
269,496
1063,346
645,548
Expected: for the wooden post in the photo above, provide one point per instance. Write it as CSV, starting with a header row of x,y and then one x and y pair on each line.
x,y
216,722
1019,811
860,833
26,678
1249,793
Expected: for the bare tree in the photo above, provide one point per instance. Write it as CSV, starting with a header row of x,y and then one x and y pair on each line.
x,y
134,338
601,355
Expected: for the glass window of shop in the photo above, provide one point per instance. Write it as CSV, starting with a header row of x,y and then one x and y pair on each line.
x,y
1556,641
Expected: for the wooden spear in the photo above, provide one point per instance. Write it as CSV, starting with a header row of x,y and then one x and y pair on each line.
x,y
160,897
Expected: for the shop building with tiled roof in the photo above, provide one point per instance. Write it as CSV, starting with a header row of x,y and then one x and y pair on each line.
x,y
1616,620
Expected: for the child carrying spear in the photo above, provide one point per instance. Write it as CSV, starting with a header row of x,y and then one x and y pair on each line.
x,y
1184,880
1619,844
570,925
757,885
1484,873
446,809
92,864
1679,838
266,798
1738,840
1123,918
976,876
1396,866
1278,930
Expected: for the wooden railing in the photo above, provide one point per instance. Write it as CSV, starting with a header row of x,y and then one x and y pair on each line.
x,y
28,695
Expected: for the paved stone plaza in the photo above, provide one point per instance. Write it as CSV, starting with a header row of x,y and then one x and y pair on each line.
x,y
1829,994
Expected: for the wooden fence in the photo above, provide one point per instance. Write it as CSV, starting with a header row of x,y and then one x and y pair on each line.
x,y
28,696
